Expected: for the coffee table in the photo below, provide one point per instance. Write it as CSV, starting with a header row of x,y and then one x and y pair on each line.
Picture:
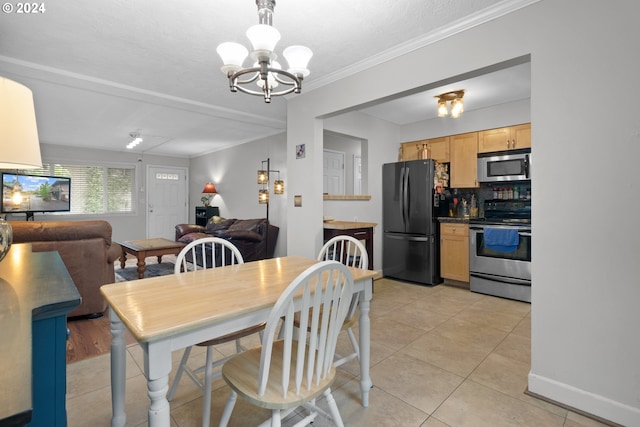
x,y
144,248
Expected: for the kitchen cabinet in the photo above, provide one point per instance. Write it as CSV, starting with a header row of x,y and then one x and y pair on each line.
x,y
204,214
358,230
454,251
463,160
438,149
503,139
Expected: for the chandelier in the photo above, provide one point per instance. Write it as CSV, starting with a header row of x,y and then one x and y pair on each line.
x,y
266,71
457,104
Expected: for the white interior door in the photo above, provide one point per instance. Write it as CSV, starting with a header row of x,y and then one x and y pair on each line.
x,y
333,172
166,200
357,174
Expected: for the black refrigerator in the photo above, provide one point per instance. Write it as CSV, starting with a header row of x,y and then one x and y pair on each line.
x,y
411,247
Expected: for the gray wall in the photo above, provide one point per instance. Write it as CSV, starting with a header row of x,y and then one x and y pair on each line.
x,y
234,172
584,350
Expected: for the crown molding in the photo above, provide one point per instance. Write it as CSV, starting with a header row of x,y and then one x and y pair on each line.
x,y
493,12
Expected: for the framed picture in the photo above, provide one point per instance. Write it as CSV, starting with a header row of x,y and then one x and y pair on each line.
x,y
300,151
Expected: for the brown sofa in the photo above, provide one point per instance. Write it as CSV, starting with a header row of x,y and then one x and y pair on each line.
x,y
248,235
86,250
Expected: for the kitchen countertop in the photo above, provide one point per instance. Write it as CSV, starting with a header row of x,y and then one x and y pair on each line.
x,y
346,225
459,220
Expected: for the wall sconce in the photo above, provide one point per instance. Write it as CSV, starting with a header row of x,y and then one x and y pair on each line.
x,y
457,103
210,190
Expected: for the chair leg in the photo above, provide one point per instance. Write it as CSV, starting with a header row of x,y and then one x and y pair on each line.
x,y
176,380
275,418
228,409
333,408
208,379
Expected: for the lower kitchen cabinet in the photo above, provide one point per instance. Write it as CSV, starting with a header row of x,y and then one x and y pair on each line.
x,y
454,251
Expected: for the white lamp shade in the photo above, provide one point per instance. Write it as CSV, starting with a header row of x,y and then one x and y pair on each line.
x,y
263,37
19,144
232,54
298,58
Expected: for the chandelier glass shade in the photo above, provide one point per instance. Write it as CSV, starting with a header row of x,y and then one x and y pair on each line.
x,y
266,72
456,101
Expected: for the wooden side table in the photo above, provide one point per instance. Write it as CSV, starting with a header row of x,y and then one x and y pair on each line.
x,y
358,230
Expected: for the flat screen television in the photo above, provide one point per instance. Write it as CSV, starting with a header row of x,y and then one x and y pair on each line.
x,y
23,193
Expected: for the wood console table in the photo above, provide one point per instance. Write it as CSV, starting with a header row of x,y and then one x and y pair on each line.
x,y
358,230
36,294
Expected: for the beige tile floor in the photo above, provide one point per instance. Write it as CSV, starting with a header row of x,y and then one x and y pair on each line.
x,y
441,356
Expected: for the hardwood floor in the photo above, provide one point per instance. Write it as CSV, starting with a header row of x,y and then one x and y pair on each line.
x,y
90,337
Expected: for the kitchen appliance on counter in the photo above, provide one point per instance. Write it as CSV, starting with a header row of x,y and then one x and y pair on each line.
x,y
409,205
501,267
514,166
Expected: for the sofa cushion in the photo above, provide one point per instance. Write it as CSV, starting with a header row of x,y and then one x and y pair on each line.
x,y
248,225
188,238
217,223
248,235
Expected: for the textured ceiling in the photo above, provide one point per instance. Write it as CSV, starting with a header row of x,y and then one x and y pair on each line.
x,y
102,69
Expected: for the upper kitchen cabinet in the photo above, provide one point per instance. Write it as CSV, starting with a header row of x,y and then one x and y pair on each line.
x,y
464,160
437,149
502,139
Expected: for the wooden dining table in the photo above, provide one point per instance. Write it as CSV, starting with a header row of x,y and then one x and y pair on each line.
x,y
168,313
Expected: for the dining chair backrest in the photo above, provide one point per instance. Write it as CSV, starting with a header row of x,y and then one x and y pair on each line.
x,y
346,250
325,290
208,252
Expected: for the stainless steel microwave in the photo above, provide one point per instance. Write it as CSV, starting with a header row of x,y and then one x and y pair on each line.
x,y
512,166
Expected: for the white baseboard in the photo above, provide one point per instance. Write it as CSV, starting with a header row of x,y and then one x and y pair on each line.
x,y
584,401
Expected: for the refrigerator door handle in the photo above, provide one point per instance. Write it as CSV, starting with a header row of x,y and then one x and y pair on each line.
x,y
412,238
405,196
401,192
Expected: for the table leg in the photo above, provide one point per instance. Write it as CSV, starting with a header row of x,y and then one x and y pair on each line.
x,y
157,362
159,259
365,342
123,259
141,266
118,371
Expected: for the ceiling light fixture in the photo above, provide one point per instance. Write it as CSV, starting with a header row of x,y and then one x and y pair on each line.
x,y
135,140
457,104
266,72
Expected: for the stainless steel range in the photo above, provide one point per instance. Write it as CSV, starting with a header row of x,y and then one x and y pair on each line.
x,y
500,250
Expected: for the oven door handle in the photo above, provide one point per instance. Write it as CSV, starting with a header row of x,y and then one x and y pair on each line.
x,y
508,280
520,232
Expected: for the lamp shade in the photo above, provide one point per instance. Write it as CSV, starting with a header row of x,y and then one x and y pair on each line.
x,y
263,37
457,107
278,186
19,144
232,55
298,58
209,188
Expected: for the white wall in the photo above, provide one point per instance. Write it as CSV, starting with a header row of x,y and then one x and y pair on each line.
x,y
234,172
585,269
125,226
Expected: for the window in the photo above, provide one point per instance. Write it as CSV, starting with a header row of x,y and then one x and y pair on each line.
x,y
95,189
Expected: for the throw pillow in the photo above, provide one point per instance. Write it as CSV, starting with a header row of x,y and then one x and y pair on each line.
x,y
248,224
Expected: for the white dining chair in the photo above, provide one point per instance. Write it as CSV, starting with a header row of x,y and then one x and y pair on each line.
x,y
208,252
284,374
350,252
